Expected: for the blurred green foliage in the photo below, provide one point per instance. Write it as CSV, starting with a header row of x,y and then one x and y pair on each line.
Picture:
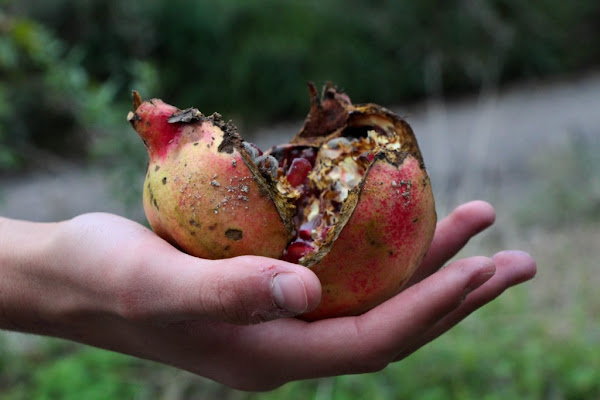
x,y
67,373
61,61
48,101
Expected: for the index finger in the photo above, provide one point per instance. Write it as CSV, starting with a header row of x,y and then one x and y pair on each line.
x,y
452,234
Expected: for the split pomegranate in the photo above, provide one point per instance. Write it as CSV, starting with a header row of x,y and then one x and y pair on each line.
x,y
349,196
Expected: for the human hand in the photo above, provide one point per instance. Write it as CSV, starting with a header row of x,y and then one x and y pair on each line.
x,y
118,286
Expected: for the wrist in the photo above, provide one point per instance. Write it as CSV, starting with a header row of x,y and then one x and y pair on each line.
x,y
58,279
24,256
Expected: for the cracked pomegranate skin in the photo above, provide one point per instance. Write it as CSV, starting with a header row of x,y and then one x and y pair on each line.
x,y
349,197
381,245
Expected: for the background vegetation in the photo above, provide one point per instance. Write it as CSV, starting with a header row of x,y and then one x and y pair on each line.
x,y
66,71
67,67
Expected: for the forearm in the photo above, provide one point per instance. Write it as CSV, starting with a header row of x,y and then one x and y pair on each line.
x,y
28,290
21,259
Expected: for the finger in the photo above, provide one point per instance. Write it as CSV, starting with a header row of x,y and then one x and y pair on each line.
x,y
452,234
368,342
173,286
512,268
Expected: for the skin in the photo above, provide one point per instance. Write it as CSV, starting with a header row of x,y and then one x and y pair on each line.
x,y
105,281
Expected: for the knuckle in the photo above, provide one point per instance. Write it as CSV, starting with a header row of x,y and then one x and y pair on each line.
x,y
130,306
130,301
130,290
224,299
460,216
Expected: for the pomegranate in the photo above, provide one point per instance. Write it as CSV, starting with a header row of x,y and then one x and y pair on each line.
x,y
348,197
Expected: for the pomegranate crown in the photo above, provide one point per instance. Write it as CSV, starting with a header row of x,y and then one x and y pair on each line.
x,y
151,120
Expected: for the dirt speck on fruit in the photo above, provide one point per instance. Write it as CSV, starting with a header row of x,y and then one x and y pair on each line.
x,y
234,234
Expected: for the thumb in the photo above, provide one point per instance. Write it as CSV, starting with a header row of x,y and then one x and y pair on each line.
x,y
254,289
241,290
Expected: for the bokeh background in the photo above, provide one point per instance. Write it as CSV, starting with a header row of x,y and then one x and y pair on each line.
x,y
504,96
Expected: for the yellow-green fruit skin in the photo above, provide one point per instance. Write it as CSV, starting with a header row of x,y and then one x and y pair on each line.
x,y
206,202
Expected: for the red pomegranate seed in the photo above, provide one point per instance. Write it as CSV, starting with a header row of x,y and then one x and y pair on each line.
x,y
366,156
298,171
305,230
296,251
305,234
